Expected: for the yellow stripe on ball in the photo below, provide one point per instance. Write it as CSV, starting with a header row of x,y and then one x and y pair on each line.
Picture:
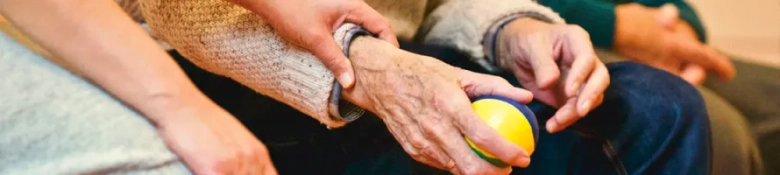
x,y
508,121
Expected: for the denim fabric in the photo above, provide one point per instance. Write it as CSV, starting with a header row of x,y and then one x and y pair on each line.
x,y
650,123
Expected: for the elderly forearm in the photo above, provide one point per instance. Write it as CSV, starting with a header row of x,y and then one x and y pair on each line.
x,y
100,42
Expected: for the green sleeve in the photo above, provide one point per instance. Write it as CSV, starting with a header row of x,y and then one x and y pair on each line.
x,y
596,17
687,13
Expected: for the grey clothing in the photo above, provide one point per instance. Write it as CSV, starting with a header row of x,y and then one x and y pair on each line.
x,y
755,92
54,122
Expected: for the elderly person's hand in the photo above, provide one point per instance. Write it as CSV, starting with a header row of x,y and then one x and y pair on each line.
x,y
309,24
555,62
425,105
657,37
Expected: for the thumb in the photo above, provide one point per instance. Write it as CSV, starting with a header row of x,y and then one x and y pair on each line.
x,y
668,15
476,84
333,57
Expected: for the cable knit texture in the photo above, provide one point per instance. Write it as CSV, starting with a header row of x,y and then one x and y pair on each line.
x,y
228,40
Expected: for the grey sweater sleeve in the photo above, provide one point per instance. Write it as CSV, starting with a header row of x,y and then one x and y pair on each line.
x,y
231,41
462,24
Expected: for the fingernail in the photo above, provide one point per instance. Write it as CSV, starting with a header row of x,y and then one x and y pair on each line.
x,y
523,161
346,80
551,126
585,107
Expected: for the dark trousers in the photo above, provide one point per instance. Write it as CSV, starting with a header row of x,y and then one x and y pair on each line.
x,y
650,122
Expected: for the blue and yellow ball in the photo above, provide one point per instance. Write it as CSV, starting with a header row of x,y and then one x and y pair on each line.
x,y
514,121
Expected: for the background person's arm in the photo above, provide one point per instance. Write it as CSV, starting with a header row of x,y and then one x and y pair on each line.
x,y
598,17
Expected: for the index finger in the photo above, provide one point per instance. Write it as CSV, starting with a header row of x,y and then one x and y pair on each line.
x,y
697,53
580,57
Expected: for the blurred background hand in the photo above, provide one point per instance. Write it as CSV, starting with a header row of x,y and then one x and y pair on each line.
x,y
657,37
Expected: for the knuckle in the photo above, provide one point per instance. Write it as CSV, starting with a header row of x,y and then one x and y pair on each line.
x,y
409,149
430,152
577,30
432,129
412,152
419,142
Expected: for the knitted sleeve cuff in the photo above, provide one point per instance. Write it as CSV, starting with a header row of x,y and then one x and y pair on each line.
x,y
339,108
491,36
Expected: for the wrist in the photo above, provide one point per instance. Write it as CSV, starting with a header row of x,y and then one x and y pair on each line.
x,y
367,52
170,105
623,29
508,36
370,57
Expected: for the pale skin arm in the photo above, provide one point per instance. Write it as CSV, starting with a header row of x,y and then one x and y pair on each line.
x,y
108,48
98,41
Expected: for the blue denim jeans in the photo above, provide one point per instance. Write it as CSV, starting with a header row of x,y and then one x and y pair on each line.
x,y
650,122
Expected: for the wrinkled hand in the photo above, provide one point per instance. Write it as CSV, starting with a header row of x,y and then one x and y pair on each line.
x,y
557,63
657,37
425,105
310,24
210,141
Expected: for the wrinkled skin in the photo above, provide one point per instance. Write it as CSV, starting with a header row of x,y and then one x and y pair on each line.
x,y
557,63
425,105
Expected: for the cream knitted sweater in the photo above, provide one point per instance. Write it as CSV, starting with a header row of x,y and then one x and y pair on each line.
x,y
228,40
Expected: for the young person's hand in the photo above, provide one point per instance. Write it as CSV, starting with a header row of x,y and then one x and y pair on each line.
x,y
209,140
657,37
310,24
425,104
557,63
